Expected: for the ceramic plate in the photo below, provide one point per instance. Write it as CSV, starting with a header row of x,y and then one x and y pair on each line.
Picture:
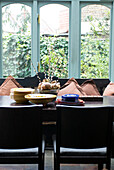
x,y
40,98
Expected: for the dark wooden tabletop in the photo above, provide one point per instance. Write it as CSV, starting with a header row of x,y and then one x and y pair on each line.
x,y
6,101
49,111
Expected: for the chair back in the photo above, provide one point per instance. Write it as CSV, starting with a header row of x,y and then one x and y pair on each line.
x,y
20,127
83,127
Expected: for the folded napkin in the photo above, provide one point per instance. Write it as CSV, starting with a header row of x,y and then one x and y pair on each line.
x,y
109,90
71,87
90,88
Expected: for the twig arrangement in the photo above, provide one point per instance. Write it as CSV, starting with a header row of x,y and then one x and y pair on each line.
x,y
54,60
35,71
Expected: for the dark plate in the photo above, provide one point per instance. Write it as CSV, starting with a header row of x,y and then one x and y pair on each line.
x,y
91,98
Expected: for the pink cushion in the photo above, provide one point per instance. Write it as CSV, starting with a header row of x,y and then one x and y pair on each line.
x,y
71,87
8,84
90,88
109,90
69,81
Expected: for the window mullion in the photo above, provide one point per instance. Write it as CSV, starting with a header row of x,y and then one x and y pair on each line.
x,y
112,46
34,37
74,60
38,33
0,40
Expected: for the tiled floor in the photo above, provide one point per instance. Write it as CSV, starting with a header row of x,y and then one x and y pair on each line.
x,y
49,165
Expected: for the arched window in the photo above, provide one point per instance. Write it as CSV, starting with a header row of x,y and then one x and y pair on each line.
x,y
87,36
95,41
54,40
16,40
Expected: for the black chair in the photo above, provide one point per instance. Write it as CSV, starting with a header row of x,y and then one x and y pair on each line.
x,y
21,140
83,136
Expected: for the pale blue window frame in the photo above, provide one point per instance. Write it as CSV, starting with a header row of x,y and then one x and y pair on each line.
x,y
74,31
35,28
67,4
5,3
110,5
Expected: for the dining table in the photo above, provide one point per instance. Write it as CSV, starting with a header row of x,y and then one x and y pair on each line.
x,y
49,110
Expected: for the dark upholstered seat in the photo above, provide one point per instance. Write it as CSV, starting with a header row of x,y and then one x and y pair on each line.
x,y
83,136
21,140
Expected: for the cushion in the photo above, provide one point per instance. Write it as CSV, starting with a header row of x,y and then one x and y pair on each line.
x,y
19,152
71,87
69,81
90,88
109,90
82,152
8,84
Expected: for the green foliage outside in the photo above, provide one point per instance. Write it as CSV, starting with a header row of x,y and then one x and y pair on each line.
x,y
17,55
17,47
54,56
95,49
54,50
94,58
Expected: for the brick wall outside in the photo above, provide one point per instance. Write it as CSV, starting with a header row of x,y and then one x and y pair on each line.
x,y
98,11
64,20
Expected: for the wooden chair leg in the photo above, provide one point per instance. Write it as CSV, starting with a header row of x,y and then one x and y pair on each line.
x,y
100,166
57,164
54,162
108,165
39,167
42,165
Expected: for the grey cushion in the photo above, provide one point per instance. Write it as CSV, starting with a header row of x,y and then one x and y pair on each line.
x,y
19,152
82,152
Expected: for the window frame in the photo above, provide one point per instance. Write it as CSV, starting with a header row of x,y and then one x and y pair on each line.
x,y
5,3
74,31
66,4
108,5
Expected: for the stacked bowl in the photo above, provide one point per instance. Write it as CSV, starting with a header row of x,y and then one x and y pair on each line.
x,y
18,94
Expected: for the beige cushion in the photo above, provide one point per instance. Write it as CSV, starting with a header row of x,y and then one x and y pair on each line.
x,y
8,84
90,88
71,87
109,90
